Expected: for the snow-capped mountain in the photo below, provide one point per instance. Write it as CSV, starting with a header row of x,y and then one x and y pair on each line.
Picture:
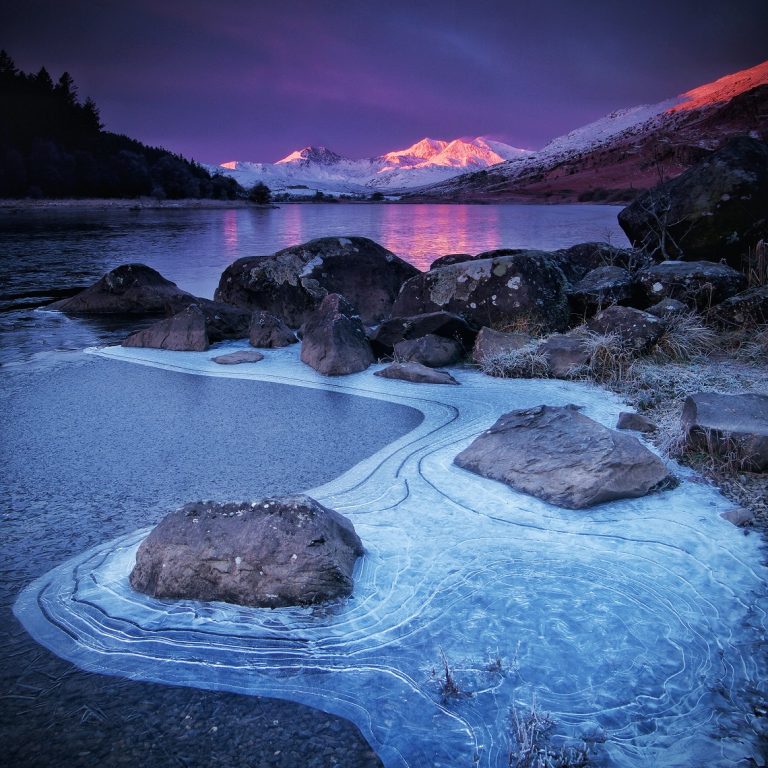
x,y
628,150
308,170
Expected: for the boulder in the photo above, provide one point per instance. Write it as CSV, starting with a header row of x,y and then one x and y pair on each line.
x,y
579,260
417,373
564,457
637,330
715,210
433,351
490,343
269,331
738,516
668,308
446,324
744,309
732,426
186,331
565,353
498,287
600,288
130,289
291,283
236,358
635,422
268,553
194,328
334,341
698,284
451,258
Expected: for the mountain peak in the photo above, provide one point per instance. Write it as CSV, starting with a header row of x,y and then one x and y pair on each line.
x,y
312,154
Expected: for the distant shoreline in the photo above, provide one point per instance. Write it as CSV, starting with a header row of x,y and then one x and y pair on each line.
x,y
142,203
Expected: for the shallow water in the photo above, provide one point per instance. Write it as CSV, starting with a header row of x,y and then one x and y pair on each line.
x,y
641,619
47,250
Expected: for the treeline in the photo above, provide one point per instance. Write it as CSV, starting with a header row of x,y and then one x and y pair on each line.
x,y
54,145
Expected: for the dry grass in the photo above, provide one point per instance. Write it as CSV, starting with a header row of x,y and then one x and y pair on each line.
x,y
686,337
524,363
755,265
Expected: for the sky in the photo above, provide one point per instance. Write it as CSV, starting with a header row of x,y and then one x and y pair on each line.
x,y
219,80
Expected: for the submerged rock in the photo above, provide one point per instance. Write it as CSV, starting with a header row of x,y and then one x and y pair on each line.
x,y
635,422
416,372
291,283
270,553
564,457
334,341
130,289
734,427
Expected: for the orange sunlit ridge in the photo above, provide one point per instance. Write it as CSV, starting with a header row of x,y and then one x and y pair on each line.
x,y
723,89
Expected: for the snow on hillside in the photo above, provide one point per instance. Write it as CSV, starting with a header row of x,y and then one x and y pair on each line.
x,y
319,169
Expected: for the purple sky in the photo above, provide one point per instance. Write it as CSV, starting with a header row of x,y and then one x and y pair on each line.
x,y
255,79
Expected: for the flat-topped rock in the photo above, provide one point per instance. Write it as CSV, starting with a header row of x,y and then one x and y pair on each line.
x,y
560,455
270,553
446,324
130,289
733,425
236,358
417,373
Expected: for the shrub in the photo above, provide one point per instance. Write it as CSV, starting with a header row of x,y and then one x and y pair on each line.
x,y
524,363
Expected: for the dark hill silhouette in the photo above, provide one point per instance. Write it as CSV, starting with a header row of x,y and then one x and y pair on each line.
x,y
53,145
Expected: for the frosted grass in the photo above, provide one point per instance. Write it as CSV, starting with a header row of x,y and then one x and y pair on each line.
x,y
643,618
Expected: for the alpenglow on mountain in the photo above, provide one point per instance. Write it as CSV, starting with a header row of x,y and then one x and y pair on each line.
x,y
632,149
303,172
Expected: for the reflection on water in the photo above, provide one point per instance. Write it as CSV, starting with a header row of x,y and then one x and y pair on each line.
x,y
66,248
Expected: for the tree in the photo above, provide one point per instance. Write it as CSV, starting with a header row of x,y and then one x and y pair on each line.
x,y
260,194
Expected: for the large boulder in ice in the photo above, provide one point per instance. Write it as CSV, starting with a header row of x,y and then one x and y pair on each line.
x,y
498,287
291,283
130,289
564,457
730,426
194,328
715,210
334,341
698,284
270,553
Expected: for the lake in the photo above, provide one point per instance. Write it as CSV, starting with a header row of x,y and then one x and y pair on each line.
x,y
641,620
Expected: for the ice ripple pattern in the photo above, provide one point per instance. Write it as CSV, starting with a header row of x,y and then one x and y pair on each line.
x,y
644,618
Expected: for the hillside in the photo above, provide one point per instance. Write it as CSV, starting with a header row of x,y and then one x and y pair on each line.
x,y
54,146
630,150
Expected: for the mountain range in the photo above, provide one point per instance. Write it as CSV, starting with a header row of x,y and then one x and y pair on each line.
x,y
305,171
608,160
